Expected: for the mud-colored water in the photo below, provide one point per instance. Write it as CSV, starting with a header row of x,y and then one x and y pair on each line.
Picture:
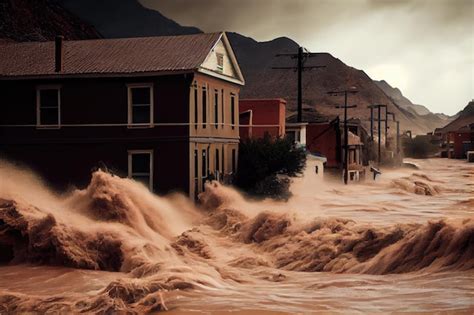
x,y
404,243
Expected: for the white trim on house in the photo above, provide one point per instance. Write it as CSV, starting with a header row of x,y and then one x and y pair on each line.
x,y
130,171
239,77
40,88
129,107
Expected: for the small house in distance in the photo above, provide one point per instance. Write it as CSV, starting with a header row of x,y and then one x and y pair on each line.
x,y
162,110
262,116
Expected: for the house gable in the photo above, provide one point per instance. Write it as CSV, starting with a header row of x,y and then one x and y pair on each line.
x,y
222,63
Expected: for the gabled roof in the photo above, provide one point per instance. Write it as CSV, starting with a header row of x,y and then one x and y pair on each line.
x,y
109,57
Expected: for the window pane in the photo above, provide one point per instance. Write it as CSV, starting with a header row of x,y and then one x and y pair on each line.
x,y
49,116
140,114
216,108
49,98
195,107
141,95
204,107
232,110
140,163
196,164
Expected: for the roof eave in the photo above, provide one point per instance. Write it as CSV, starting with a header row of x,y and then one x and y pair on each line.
x,y
96,75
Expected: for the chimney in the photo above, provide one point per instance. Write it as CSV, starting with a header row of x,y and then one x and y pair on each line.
x,y
58,53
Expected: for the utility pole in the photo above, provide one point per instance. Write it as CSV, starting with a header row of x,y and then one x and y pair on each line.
x,y
301,57
398,131
346,131
398,136
371,122
386,127
379,128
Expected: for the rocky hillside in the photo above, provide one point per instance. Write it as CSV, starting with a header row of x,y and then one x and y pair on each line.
x,y
432,120
40,20
125,18
465,118
396,95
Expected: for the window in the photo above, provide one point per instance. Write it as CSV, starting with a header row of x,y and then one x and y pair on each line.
x,y
196,174
216,108
140,167
195,87
232,110
222,111
234,161
223,160
48,106
140,104
220,62
216,165
204,107
204,169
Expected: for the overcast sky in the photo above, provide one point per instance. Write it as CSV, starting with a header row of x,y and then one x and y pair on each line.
x,y
423,47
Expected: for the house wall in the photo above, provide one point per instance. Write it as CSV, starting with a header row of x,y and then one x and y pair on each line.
x,y
66,155
265,112
324,138
211,60
460,139
218,133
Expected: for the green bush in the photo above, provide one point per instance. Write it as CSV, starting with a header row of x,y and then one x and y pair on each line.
x,y
260,160
419,147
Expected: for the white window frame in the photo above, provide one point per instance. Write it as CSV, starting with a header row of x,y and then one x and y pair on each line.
x,y
130,164
40,88
220,56
233,110
130,105
204,106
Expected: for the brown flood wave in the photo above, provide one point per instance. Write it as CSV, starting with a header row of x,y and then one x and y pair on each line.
x,y
163,244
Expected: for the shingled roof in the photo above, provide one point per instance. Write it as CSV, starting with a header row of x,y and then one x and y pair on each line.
x,y
108,56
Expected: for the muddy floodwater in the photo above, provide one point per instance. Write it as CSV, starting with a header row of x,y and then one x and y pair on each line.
x,y
401,244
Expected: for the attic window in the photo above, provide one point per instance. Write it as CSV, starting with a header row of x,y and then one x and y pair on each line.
x,y
220,61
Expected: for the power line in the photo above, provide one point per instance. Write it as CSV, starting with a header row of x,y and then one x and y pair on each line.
x,y
301,57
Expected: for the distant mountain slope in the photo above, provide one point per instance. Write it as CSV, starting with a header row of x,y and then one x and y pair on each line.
x,y
431,120
396,95
40,20
125,18
465,118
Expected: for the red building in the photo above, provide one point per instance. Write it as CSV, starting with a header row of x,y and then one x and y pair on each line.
x,y
324,138
262,116
462,140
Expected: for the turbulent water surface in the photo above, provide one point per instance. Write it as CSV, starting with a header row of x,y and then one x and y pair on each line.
x,y
404,243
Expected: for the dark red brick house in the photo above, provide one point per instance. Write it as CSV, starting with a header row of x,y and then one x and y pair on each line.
x,y
262,116
463,141
163,110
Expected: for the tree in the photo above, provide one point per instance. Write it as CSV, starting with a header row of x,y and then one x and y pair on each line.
x,y
264,161
419,147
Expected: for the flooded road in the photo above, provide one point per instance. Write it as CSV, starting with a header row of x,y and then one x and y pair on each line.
x,y
404,243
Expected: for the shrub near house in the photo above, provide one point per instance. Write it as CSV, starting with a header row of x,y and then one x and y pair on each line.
x,y
265,166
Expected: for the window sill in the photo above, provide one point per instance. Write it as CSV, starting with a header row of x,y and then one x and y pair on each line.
x,y
140,126
48,127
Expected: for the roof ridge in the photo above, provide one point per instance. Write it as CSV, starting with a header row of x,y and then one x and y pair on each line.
x,y
115,39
